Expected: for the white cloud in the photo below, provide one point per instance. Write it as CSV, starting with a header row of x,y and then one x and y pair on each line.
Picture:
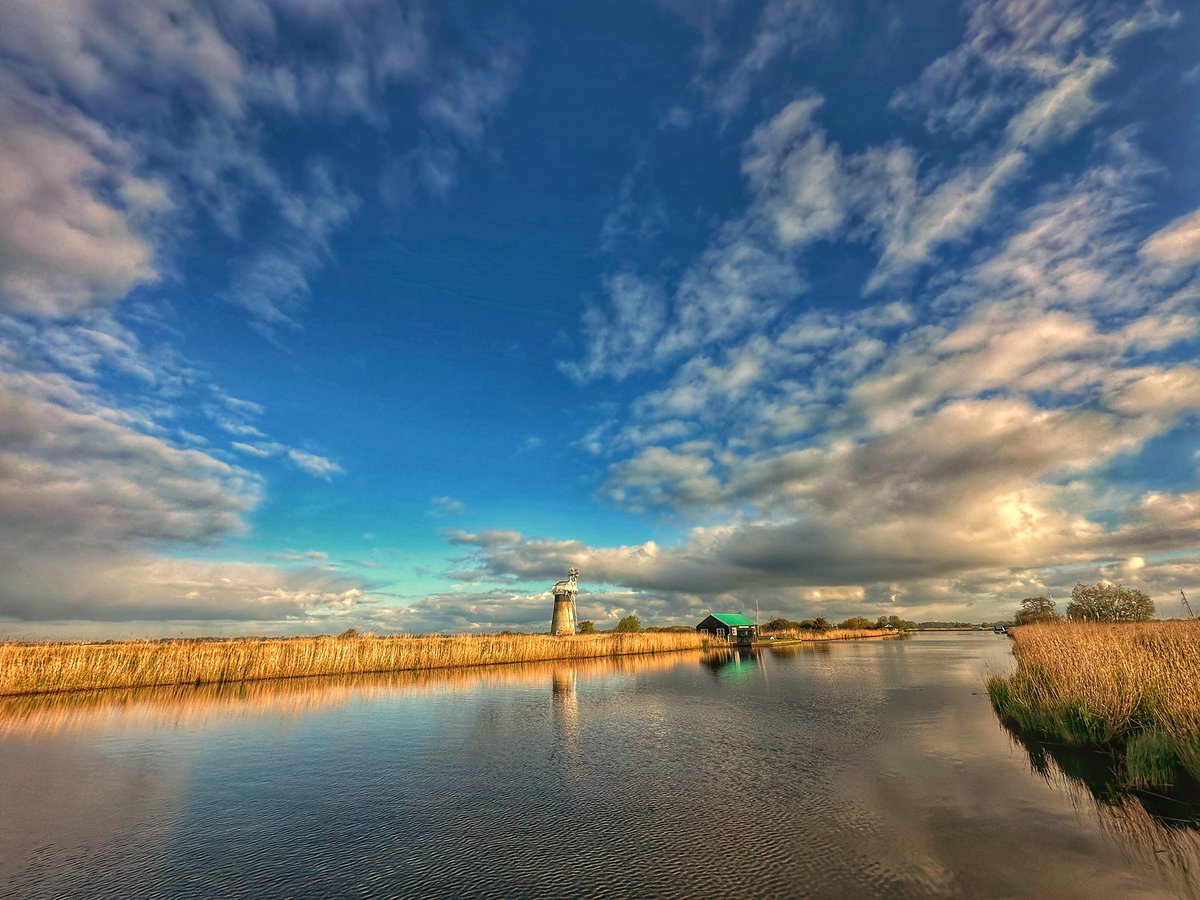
x,y
797,176
621,337
637,216
1177,245
314,464
88,100
65,246
784,28
447,506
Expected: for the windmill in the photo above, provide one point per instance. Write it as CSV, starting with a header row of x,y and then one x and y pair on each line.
x,y
563,621
1186,605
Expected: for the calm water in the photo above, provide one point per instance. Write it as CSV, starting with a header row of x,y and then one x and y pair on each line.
x,y
851,770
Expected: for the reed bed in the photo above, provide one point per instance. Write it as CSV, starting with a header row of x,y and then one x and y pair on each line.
x,y
82,711
1134,688
833,634
31,668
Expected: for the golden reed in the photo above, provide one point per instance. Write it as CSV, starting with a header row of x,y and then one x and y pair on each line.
x,y
83,711
834,634
1132,687
30,668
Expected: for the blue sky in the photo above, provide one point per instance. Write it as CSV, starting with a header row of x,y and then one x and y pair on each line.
x,y
382,315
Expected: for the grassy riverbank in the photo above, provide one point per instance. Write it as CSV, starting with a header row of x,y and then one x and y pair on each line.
x,y
833,634
28,668
1130,688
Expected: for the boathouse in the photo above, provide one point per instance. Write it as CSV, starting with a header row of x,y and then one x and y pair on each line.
x,y
732,627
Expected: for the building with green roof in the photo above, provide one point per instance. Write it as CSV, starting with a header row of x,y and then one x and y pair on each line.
x,y
732,627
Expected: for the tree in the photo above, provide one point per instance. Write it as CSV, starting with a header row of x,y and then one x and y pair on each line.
x,y
856,623
781,624
1036,609
587,626
1105,602
349,633
820,623
630,623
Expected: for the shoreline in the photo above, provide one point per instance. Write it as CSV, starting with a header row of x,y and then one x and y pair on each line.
x,y
46,668
834,634
1128,689
28,669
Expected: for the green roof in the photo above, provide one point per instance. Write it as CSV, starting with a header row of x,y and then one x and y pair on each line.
x,y
731,619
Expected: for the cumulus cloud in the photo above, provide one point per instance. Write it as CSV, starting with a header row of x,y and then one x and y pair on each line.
x,y
94,160
946,450
81,487
1030,72
63,244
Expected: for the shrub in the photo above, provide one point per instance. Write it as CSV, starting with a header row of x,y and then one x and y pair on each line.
x,y
1105,602
1036,609
630,623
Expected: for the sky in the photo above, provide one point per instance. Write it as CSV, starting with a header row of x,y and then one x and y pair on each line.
x,y
383,314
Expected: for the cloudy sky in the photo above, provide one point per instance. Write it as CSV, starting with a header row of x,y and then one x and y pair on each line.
x,y
383,314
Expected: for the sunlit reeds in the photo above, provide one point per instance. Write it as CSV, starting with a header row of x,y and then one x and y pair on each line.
x,y
833,634
80,711
1130,687
27,668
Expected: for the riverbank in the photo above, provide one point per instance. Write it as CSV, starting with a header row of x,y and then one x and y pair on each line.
x,y
1129,688
784,638
35,668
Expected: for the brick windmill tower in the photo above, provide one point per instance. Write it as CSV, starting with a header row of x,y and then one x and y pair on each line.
x,y
563,620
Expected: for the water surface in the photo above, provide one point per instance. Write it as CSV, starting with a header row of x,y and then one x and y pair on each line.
x,y
855,769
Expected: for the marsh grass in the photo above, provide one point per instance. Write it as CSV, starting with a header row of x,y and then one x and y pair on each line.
x,y
30,668
1133,688
83,711
833,634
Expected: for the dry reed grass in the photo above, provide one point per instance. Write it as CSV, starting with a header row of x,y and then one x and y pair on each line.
x,y
834,634
1132,687
83,711
28,668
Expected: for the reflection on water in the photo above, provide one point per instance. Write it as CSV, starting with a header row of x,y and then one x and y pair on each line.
x,y
830,770
734,663
1150,827
187,704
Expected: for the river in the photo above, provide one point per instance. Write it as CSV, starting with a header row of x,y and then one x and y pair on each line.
x,y
855,769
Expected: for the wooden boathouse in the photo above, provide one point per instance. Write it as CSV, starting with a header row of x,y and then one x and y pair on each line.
x,y
732,627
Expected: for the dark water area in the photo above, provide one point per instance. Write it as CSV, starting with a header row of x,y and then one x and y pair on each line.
x,y
846,770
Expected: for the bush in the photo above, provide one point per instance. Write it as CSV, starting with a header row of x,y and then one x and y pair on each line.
x,y
1105,602
1036,609
630,623
856,623
587,626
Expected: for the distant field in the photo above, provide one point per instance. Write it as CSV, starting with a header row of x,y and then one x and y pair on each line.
x,y
27,668
1133,688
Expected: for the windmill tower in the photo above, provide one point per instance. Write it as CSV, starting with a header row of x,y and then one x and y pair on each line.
x,y
563,620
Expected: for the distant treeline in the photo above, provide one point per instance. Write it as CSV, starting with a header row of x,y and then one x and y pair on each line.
x,y
854,623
